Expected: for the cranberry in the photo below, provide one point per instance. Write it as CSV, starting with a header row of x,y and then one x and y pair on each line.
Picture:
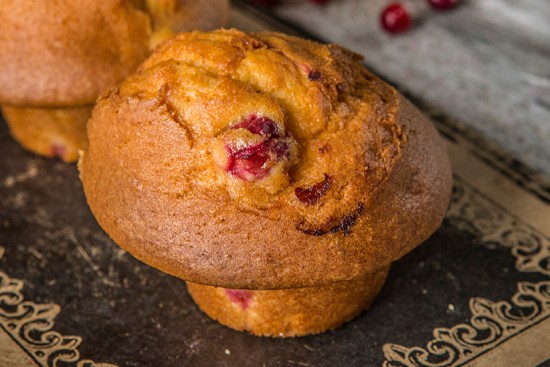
x,y
395,18
254,162
239,296
259,126
314,75
312,195
249,163
343,224
443,4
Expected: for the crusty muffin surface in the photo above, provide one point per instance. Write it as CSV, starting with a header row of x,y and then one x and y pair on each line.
x,y
262,161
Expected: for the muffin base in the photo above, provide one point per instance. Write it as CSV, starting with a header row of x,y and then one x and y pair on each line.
x,y
288,312
49,132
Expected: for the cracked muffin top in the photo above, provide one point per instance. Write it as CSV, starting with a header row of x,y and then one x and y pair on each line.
x,y
262,161
65,53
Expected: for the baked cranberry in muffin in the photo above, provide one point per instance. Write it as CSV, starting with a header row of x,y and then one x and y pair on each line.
x,y
254,146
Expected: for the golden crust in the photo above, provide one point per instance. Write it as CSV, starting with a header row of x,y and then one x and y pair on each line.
x,y
65,53
289,312
151,179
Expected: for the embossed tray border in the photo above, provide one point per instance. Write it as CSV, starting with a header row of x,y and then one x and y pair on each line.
x,y
491,323
30,326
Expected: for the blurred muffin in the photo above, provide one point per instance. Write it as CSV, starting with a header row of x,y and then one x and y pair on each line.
x,y
57,57
50,132
276,175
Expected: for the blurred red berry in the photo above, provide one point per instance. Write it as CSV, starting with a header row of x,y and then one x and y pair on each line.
x,y
443,4
319,1
395,18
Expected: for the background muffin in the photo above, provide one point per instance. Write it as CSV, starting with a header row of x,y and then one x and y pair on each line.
x,y
58,56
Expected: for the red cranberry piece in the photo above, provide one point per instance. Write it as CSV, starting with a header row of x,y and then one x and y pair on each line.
x,y
395,18
259,125
247,152
280,148
443,4
239,296
254,162
249,163
313,194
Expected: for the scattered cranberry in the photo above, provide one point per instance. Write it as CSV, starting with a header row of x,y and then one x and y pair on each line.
x,y
395,18
240,297
443,4
254,162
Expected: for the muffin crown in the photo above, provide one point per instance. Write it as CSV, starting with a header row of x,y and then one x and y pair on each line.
x,y
262,161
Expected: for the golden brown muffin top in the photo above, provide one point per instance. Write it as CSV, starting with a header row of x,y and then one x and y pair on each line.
x,y
260,161
65,53
340,117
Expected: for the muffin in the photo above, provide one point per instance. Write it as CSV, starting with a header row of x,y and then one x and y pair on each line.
x,y
276,175
58,56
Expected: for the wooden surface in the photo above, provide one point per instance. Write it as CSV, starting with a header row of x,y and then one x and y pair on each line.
x,y
485,63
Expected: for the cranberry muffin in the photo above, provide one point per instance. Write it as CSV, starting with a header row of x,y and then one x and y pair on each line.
x,y
57,57
276,175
